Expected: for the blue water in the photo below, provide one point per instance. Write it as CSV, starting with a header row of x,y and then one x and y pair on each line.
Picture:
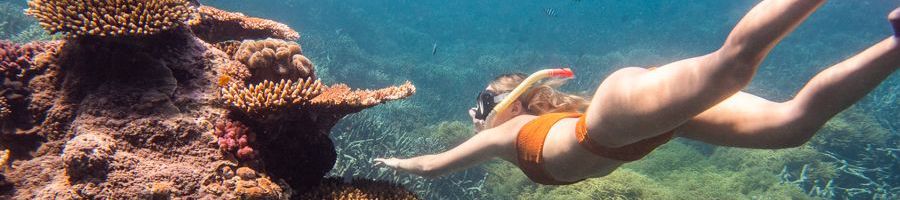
x,y
373,44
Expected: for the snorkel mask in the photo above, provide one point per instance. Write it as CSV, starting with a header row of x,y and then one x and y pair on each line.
x,y
489,104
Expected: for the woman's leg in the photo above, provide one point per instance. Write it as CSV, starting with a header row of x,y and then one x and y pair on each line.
x,y
633,104
745,120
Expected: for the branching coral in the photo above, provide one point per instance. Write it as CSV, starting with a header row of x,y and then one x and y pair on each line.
x,y
105,18
274,59
15,58
271,96
214,25
236,138
333,188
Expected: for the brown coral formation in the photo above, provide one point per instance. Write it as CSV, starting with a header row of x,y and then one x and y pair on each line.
x,y
136,117
233,182
105,18
274,59
214,25
333,188
87,155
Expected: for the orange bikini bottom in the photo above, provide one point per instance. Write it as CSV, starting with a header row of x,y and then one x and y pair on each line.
x,y
530,145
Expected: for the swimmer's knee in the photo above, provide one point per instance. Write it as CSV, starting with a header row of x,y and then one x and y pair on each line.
x,y
794,126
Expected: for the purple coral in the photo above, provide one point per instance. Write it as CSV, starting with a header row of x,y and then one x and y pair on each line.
x,y
235,137
16,57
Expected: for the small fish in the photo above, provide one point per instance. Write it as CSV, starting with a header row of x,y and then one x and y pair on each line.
x,y
434,49
550,12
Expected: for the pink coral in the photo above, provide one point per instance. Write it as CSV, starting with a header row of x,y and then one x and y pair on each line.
x,y
235,137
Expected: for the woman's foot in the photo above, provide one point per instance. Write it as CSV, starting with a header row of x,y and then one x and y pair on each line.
x,y
894,18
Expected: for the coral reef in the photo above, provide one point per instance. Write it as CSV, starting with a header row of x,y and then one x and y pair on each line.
x,y
109,18
214,25
16,67
123,107
334,188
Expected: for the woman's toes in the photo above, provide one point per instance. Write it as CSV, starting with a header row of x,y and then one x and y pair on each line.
x,y
894,18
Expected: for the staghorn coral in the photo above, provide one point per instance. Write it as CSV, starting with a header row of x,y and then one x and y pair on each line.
x,y
274,59
236,138
214,25
104,18
270,96
334,188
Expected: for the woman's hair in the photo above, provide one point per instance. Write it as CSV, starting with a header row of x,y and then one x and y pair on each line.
x,y
542,98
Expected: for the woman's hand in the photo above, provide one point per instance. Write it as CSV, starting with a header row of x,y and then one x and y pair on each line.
x,y
393,163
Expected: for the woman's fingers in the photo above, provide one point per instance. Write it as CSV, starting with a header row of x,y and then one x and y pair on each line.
x,y
386,162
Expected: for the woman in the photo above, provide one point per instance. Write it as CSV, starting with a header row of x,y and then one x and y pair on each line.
x,y
635,110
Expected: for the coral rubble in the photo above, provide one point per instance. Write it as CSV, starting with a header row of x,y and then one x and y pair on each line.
x,y
109,18
214,25
125,107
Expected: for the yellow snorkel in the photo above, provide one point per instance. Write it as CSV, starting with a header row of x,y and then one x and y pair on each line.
x,y
522,88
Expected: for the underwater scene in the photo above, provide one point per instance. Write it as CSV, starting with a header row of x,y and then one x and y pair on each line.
x,y
325,99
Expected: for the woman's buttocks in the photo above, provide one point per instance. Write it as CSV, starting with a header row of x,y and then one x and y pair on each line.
x,y
566,160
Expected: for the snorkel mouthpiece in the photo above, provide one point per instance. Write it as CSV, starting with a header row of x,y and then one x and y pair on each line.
x,y
526,84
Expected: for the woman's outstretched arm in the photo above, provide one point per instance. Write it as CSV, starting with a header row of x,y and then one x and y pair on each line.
x,y
478,149
744,120
634,104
